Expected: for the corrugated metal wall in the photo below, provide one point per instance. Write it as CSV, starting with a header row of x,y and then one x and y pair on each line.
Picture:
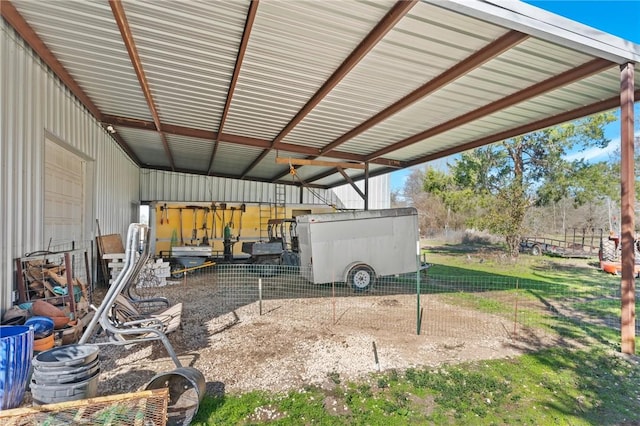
x,y
34,104
379,194
158,185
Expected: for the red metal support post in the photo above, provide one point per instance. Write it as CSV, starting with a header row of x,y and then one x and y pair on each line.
x,y
627,192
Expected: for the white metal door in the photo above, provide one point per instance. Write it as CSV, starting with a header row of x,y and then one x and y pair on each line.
x,y
64,195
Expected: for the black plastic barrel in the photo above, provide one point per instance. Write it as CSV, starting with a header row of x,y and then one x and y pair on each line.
x,y
186,390
66,373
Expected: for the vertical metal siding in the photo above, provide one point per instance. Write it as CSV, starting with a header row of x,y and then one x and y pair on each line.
x,y
379,194
34,104
156,185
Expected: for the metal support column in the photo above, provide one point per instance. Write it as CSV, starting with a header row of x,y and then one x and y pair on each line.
x,y
366,186
627,191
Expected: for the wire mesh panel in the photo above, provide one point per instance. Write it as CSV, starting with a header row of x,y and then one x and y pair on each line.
x,y
146,408
424,303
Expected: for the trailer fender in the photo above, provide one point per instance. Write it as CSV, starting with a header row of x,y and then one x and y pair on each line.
x,y
360,276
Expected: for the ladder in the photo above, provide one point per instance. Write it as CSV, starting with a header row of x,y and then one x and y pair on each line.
x,y
265,215
280,208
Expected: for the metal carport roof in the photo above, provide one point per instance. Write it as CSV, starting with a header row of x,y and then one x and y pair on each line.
x,y
223,88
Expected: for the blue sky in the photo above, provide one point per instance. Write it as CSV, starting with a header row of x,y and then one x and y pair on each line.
x,y
620,18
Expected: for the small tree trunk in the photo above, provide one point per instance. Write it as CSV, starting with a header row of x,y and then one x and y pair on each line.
x,y
513,245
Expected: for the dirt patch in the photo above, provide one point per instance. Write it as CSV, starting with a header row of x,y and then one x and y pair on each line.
x,y
289,343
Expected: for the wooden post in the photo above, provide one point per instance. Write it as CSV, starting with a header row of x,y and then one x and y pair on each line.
x,y
627,192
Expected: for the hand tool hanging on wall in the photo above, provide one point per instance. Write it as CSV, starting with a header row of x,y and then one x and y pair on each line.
x,y
194,231
243,208
161,215
205,239
213,207
223,206
181,230
166,213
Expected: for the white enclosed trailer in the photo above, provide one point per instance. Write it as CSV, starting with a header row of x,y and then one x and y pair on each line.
x,y
357,247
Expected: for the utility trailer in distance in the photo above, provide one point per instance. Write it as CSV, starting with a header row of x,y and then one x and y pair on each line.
x,y
359,246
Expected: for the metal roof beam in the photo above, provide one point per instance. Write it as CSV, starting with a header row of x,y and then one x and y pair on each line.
x,y
229,176
127,37
13,17
584,111
478,58
248,25
395,14
135,123
352,183
575,74
390,163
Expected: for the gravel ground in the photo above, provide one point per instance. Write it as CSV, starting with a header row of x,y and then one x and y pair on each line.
x,y
300,341
284,344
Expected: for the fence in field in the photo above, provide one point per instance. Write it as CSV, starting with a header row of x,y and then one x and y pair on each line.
x,y
417,303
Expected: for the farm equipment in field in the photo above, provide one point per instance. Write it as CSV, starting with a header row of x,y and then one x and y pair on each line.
x,y
577,243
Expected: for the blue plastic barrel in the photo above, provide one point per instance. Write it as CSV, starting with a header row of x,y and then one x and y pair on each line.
x,y
16,351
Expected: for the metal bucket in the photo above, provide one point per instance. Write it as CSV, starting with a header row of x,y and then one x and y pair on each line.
x,y
186,390
16,350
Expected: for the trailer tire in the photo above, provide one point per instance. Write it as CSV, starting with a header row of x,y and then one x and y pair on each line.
x,y
361,277
536,250
177,267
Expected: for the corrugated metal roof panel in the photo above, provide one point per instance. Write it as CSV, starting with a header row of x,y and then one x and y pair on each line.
x,y
86,40
233,159
188,52
190,153
146,145
558,101
188,59
405,59
294,48
446,104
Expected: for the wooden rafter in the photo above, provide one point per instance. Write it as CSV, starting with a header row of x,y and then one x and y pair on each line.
x,y
395,14
307,162
127,37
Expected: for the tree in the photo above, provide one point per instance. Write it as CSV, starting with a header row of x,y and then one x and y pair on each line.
x,y
433,212
500,182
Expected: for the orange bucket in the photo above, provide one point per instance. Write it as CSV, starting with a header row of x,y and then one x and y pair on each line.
x,y
43,344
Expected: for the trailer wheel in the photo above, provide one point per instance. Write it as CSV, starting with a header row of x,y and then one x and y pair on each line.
x,y
536,250
361,278
177,267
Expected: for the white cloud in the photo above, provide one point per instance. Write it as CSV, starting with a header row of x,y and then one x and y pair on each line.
x,y
597,154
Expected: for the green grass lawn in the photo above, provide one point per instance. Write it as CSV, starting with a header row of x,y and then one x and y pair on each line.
x,y
595,385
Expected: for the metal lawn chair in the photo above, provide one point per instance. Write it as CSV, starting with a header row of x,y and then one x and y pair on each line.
x,y
121,319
